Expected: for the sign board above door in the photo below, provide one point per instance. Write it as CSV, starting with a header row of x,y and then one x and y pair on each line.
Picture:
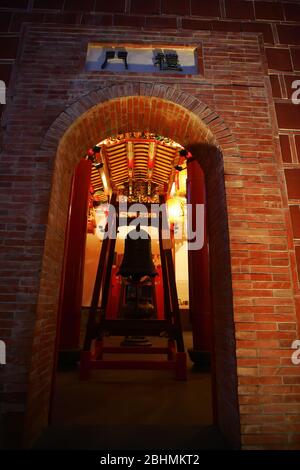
x,y
180,60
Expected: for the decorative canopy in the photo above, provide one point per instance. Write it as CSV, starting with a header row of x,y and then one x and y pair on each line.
x,y
137,165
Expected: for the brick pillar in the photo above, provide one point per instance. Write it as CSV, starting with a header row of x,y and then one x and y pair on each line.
x,y
72,279
199,290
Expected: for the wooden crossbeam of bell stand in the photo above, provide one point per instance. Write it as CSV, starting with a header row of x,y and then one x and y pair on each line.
x,y
92,354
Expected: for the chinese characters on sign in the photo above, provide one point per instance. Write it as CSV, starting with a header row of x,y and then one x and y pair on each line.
x,y
143,59
164,59
112,54
167,60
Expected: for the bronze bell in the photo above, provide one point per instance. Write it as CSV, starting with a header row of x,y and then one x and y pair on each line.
x,y
137,260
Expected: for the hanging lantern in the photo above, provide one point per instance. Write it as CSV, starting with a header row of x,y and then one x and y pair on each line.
x,y
90,153
175,209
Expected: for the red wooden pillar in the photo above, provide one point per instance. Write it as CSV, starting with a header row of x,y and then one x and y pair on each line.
x,y
159,292
113,304
72,279
199,292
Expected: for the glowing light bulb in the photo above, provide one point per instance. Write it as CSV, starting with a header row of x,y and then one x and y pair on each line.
x,y
175,210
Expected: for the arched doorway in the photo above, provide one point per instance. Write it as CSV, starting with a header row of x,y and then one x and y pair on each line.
x,y
191,123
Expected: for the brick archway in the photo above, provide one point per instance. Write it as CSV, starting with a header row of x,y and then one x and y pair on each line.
x,y
167,111
181,119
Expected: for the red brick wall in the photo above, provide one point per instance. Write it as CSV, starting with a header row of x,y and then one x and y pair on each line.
x,y
264,267
225,363
278,21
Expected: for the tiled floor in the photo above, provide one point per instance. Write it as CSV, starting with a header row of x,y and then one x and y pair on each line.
x,y
123,409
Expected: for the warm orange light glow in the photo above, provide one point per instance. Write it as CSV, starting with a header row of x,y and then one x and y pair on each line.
x,y
182,182
175,209
104,181
173,189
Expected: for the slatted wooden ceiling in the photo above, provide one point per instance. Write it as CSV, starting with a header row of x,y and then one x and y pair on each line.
x,y
147,159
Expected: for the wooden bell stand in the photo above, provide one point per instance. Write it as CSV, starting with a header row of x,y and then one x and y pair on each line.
x,y
94,350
